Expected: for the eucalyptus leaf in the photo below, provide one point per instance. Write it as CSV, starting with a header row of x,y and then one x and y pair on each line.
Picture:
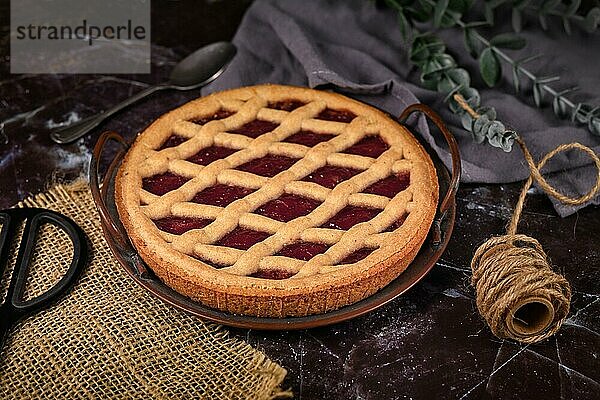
x,y
418,53
479,124
495,131
582,115
517,20
538,94
489,112
575,112
438,12
508,41
449,19
547,79
478,135
445,61
543,23
489,67
466,120
516,80
460,76
472,96
430,67
404,25
566,25
455,108
423,47
450,94
429,81
559,107
591,20
471,43
446,85
594,125
479,130
486,127
573,7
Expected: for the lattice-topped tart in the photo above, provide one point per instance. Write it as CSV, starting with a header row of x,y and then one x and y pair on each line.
x,y
276,201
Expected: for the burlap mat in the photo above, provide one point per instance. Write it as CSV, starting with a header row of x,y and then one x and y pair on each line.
x,y
108,338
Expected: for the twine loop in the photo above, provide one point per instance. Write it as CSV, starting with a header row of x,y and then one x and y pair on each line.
x,y
518,293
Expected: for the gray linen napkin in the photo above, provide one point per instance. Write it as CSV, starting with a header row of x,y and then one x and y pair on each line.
x,y
356,48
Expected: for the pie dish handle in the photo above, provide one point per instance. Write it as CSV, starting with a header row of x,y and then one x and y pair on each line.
x,y
449,198
99,189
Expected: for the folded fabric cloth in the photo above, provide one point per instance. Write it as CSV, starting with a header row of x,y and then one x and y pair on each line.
x,y
356,48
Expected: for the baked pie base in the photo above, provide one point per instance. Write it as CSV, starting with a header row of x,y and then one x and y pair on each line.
x,y
253,147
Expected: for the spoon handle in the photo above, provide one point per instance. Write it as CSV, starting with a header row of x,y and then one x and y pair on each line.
x,y
74,131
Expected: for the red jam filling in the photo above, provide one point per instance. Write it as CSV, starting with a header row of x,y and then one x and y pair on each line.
x,y
357,255
276,274
180,225
369,146
308,138
287,207
349,216
330,176
221,195
218,115
255,128
210,154
163,183
242,238
172,141
390,186
397,224
286,105
303,250
329,114
269,165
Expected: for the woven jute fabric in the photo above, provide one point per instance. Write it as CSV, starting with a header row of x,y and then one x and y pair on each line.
x,y
108,338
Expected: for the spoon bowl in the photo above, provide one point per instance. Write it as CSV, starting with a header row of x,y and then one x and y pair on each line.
x,y
202,66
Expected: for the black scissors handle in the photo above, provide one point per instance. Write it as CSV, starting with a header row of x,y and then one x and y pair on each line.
x,y
14,308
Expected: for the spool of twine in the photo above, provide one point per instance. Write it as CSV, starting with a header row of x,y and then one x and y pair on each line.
x,y
518,293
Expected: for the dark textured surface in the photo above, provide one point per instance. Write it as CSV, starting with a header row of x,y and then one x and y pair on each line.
x,y
430,343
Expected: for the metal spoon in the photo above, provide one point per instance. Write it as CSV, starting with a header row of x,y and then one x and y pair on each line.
x,y
196,70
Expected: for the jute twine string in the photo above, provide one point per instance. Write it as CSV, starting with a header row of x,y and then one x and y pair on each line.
x,y
518,293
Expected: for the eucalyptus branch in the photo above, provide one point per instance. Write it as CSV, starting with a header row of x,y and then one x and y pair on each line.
x,y
543,9
440,72
582,113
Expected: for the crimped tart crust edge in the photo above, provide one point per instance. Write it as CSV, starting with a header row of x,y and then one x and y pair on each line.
x,y
278,298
